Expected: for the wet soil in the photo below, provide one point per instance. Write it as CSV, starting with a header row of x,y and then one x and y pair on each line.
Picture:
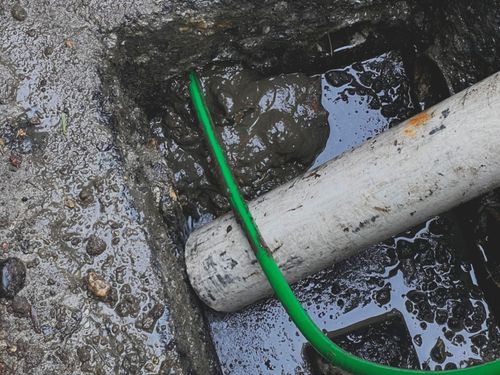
x,y
370,80
98,144
419,273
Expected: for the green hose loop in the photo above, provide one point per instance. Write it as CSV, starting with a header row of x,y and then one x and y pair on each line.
x,y
284,293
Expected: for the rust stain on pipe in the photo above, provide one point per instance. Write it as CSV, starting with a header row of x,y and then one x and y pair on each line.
x,y
415,123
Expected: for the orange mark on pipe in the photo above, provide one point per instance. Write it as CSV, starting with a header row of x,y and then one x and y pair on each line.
x,y
416,122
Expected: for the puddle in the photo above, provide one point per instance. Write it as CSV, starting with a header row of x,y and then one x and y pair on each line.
x,y
424,274
419,273
363,100
384,339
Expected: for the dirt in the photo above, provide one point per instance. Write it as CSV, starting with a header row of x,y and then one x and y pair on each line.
x,y
97,138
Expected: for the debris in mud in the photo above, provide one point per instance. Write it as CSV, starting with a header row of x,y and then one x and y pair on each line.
x,y
95,245
13,277
97,285
63,123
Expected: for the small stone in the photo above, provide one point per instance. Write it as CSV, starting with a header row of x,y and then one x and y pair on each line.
x,y
12,277
148,322
70,43
84,353
35,121
86,194
18,12
97,285
438,352
69,202
15,160
49,50
95,245
21,306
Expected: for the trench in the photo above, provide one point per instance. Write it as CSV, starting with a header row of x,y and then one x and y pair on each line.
x,y
287,98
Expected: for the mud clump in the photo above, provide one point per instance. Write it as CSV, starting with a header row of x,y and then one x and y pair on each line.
x,y
271,130
95,245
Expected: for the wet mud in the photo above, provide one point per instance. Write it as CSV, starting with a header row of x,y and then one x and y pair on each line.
x,y
103,175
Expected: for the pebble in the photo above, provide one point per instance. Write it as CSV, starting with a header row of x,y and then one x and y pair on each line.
x,y
95,245
18,12
13,277
21,306
15,160
69,202
86,194
438,352
84,353
97,285
148,322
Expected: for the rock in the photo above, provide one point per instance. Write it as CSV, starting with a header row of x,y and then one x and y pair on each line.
x,y
438,352
13,277
15,160
86,194
97,285
148,321
84,353
95,245
21,306
69,202
18,12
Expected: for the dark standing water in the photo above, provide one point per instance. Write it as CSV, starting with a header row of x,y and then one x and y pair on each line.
x,y
421,273
363,100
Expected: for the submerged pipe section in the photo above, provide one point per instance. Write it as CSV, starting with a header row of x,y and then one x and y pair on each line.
x,y
425,166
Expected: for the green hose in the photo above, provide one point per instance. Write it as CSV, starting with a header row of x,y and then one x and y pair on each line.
x,y
299,316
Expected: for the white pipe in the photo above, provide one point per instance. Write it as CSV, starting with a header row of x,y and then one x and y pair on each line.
x,y
425,166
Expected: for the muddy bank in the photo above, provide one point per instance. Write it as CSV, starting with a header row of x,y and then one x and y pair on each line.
x,y
94,299
92,94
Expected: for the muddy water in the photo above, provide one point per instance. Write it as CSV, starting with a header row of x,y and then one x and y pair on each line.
x,y
55,59
375,93
422,274
418,273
